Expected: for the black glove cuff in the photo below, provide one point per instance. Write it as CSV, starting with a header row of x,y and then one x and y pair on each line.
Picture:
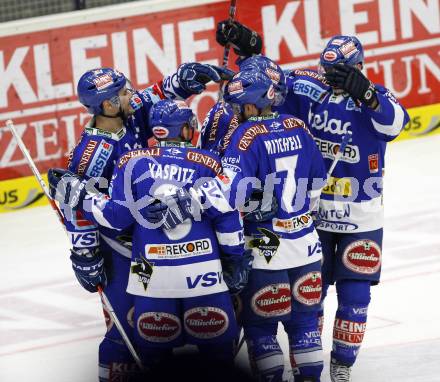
x,y
247,42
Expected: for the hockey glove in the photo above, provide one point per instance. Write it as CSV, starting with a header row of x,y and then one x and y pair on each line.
x,y
245,41
89,269
193,77
236,270
267,207
172,210
66,187
351,79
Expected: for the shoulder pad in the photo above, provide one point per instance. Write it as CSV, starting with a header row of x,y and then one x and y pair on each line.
x,y
151,152
206,159
249,134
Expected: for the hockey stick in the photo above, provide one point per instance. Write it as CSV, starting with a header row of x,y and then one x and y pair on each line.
x,y
105,301
232,9
346,138
240,345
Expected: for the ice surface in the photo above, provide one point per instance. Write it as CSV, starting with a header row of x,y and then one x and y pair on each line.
x,y
50,328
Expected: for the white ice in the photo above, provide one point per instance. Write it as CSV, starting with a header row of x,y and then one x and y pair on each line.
x,y
50,328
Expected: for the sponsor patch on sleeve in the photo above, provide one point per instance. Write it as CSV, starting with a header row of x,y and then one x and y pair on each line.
x,y
204,160
86,156
99,159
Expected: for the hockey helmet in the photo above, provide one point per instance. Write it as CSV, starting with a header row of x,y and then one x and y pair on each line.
x,y
250,86
342,50
97,85
167,117
273,71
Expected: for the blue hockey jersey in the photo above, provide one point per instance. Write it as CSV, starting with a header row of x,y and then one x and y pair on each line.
x,y
184,261
95,156
352,200
277,152
219,120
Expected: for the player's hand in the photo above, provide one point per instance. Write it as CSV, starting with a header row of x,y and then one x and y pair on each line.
x,y
89,269
351,79
171,210
267,207
236,270
245,41
193,77
66,187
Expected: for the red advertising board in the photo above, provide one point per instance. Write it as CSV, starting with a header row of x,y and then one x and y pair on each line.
x,y
39,68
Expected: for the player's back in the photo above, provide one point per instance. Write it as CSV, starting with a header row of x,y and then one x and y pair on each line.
x,y
184,261
279,151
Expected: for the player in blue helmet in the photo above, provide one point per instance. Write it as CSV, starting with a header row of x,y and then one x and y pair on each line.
x,y
337,100
250,91
173,119
177,278
100,254
276,153
273,71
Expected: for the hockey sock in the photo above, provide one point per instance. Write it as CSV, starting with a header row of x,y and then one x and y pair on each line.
x,y
321,310
351,319
265,355
116,362
305,345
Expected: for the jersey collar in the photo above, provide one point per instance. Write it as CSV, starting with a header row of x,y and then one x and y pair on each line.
x,y
264,117
91,129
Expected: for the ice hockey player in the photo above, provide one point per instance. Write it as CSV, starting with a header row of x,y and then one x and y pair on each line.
x,y
180,291
337,99
119,124
276,152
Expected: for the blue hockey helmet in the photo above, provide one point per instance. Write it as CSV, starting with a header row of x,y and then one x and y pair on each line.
x,y
97,85
167,118
250,86
273,71
342,50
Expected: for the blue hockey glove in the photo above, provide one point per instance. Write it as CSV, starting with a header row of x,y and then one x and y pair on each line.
x,y
66,187
263,212
171,210
245,41
193,76
89,269
236,270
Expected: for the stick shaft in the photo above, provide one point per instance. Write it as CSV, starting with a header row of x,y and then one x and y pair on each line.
x,y
105,301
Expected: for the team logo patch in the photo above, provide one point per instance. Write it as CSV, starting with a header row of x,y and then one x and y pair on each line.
x,y
330,55
206,322
103,81
308,288
107,318
135,102
249,136
267,243
143,269
362,256
235,87
273,300
158,326
373,163
178,250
